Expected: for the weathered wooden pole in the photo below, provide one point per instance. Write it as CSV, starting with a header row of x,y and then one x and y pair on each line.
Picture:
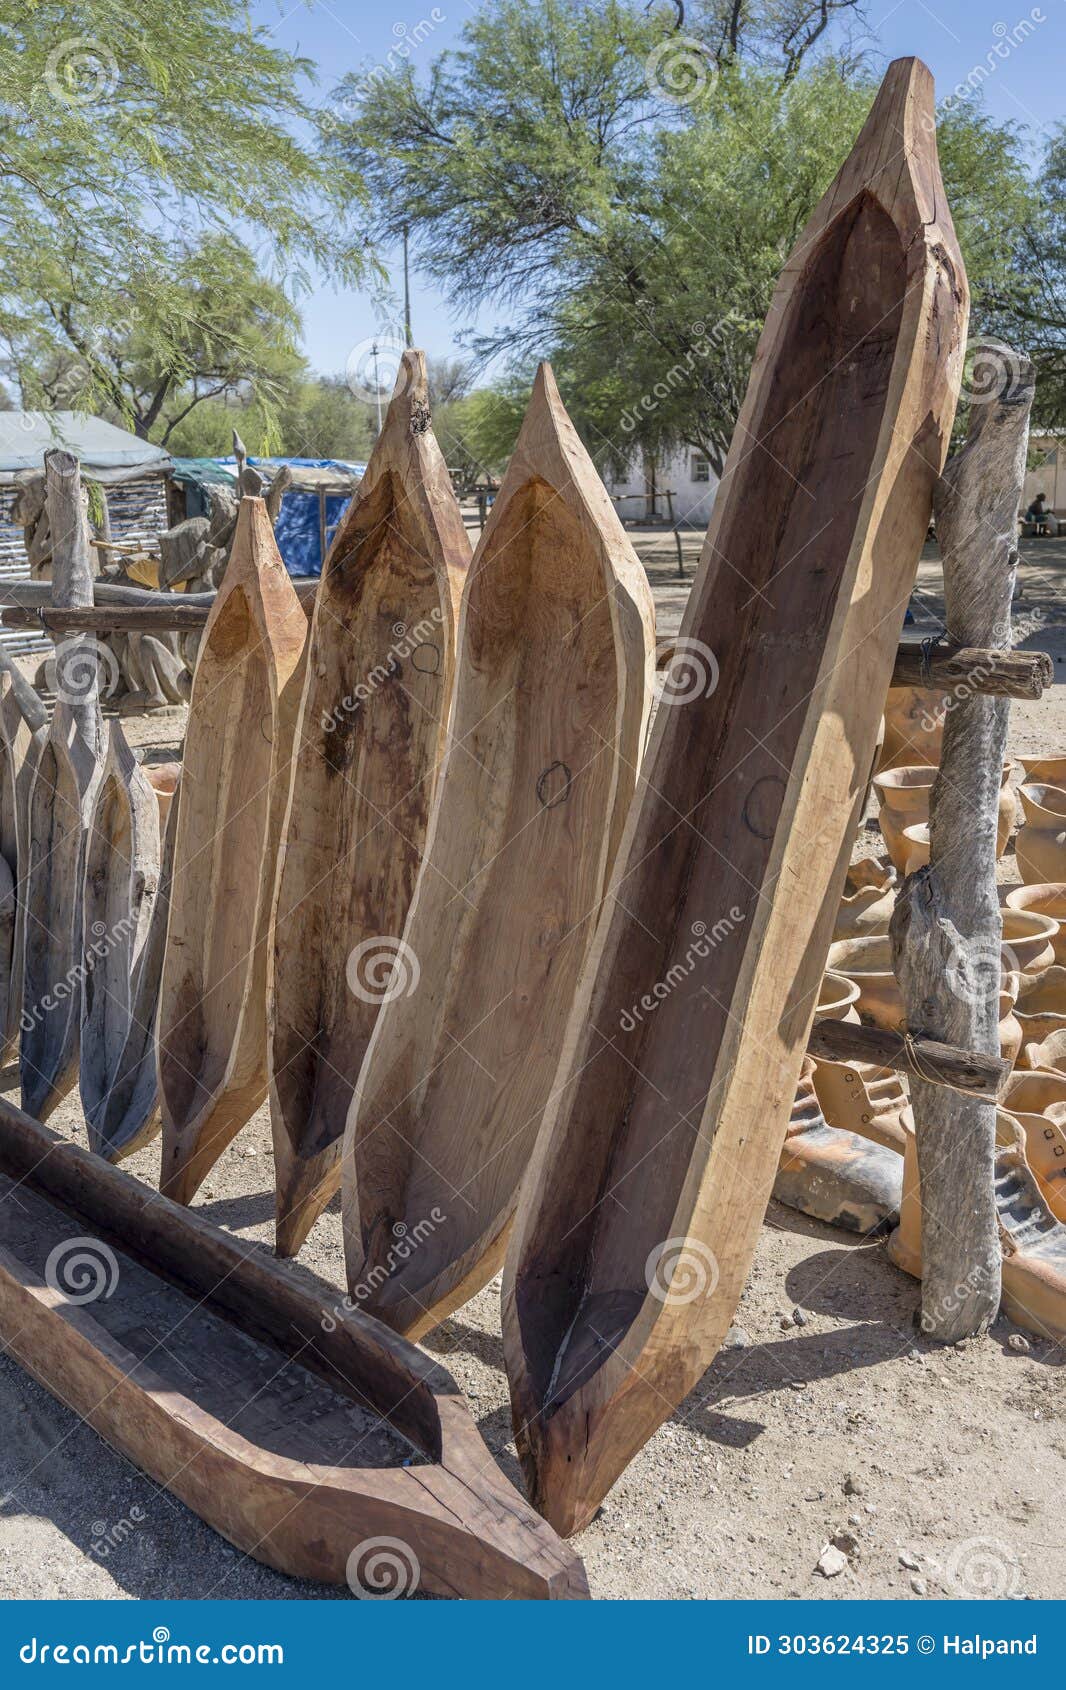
x,y
946,927
77,682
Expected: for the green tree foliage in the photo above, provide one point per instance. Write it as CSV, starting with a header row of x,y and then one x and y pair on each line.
x,y
1030,307
149,165
629,193
317,418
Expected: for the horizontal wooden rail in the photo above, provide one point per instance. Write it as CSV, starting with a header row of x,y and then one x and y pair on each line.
x,y
973,669
943,668
942,1065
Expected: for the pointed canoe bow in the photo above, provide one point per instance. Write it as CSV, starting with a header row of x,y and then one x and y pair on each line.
x,y
552,694
381,663
657,1156
238,749
310,1436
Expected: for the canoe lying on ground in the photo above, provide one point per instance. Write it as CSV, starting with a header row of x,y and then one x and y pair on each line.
x,y
281,1422
120,887
23,728
381,661
60,800
552,694
238,746
657,1156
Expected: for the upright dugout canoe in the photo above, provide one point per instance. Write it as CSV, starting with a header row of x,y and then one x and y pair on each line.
x,y
62,790
657,1156
23,730
121,879
238,746
381,662
552,693
312,1438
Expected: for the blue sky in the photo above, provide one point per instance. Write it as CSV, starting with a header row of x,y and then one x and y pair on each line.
x,y
1026,88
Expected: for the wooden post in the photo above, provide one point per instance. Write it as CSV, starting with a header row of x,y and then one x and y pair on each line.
x,y
72,584
946,927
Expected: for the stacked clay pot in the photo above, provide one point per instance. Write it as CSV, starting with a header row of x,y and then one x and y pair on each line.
x,y
913,727
1041,844
903,795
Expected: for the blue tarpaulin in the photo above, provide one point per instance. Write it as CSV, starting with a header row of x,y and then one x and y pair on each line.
x,y
299,525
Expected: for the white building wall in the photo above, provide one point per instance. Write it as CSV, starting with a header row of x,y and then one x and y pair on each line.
x,y
687,476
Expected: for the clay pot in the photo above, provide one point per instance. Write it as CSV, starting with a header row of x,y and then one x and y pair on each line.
x,y
837,997
913,727
1041,844
903,794
915,847
869,894
163,779
1045,898
868,962
1043,771
1038,1101
1042,1016
1028,944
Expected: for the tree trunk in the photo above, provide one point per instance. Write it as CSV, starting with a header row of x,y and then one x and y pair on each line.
x,y
946,928
72,584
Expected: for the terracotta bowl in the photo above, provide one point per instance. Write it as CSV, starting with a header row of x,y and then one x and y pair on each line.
x,y
1041,844
903,795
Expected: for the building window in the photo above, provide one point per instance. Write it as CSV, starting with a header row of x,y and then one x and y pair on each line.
x,y
701,468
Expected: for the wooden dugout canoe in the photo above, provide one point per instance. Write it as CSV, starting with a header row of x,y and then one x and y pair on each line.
x,y
381,662
121,879
657,1156
129,1115
61,795
23,728
552,694
212,1000
283,1422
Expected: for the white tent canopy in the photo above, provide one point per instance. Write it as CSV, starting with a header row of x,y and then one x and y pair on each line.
x,y
108,454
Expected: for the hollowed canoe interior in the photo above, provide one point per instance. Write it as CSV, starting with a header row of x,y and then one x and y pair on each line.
x,y
536,715
53,923
111,894
188,1351
229,791
633,1142
369,741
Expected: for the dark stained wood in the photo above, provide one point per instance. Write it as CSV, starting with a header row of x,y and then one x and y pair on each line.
x,y
551,702
381,663
129,1113
845,1041
980,670
238,747
121,884
60,799
300,1430
659,1149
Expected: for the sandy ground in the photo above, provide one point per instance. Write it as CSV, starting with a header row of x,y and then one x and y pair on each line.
x,y
940,1472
